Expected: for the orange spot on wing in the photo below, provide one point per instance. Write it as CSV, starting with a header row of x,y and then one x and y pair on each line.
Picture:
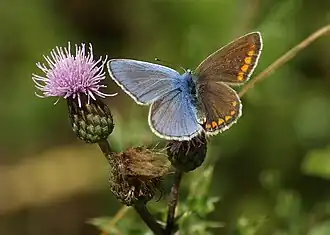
x,y
240,76
234,103
227,118
208,126
220,121
214,124
232,113
248,60
245,67
251,53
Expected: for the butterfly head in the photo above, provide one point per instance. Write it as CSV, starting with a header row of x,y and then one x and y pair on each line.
x,y
188,75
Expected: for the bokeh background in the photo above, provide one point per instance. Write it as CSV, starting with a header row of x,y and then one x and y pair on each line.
x,y
274,164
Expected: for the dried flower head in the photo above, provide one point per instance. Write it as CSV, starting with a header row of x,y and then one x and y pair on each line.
x,y
136,174
187,155
69,75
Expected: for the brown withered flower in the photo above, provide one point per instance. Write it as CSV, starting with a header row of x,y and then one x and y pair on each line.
x,y
136,174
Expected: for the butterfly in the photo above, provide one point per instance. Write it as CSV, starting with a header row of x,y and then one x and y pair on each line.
x,y
184,105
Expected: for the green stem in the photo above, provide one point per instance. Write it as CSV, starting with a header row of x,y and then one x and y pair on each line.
x,y
174,196
142,210
105,147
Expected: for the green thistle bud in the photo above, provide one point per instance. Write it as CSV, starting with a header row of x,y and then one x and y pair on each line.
x,y
91,121
136,174
187,155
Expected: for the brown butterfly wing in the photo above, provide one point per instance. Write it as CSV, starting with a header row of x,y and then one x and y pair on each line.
x,y
221,105
233,63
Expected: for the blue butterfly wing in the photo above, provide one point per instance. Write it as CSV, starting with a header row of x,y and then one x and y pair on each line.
x,y
173,117
144,82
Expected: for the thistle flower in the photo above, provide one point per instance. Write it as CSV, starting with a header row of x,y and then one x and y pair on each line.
x,y
187,155
136,174
77,78
70,75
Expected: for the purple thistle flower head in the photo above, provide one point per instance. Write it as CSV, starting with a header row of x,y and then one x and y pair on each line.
x,y
69,75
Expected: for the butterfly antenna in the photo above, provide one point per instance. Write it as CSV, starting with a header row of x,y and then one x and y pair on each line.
x,y
170,64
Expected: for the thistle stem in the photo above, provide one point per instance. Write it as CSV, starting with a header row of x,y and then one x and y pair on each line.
x,y
173,201
105,147
144,213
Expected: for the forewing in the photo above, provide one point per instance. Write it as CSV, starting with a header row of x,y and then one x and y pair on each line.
x,y
143,81
221,106
233,63
173,117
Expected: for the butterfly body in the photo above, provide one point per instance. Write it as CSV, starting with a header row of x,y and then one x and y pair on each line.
x,y
188,87
183,105
186,83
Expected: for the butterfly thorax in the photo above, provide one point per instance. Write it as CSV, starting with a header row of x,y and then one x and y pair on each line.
x,y
188,86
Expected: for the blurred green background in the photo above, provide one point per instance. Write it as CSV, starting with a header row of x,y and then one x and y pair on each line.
x,y
274,164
